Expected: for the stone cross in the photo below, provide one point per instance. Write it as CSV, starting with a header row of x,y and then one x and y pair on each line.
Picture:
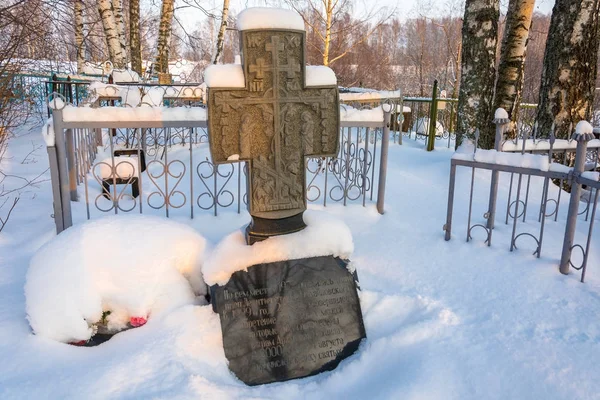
x,y
273,124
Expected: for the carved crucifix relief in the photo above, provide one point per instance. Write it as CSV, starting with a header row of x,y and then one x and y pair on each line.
x,y
274,122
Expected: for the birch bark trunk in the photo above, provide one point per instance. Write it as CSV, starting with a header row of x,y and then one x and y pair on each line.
x,y
478,69
570,66
328,17
116,53
120,23
164,36
135,48
79,35
509,85
221,36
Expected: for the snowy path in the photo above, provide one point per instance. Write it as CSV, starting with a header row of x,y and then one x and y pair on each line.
x,y
445,320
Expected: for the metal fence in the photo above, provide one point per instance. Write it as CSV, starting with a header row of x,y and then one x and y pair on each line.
x,y
414,117
430,118
33,89
74,91
162,166
433,120
528,217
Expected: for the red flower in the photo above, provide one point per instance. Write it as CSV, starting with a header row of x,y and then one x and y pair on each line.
x,y
137,321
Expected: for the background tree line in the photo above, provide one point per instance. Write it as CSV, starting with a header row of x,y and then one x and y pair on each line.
x,y
503,55
567,77
379,51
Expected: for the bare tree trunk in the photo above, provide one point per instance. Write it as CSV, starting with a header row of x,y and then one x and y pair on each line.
x,y
570,65
135,48
116,53
457,63
479,40
221,37
509,85
328,16
120,23
327,21
79,41
164,36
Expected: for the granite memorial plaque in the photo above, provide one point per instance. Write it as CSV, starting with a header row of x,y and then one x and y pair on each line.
x,y
289,319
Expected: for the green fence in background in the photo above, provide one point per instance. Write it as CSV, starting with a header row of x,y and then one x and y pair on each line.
x,y
434,119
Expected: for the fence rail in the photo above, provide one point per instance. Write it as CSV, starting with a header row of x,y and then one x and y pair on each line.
x,y
162,166
527,220
430,119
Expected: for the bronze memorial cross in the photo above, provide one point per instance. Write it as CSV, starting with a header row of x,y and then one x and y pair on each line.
x,y
273,124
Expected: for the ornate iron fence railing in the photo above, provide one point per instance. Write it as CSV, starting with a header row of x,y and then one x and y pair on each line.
x,y
157,161
535,187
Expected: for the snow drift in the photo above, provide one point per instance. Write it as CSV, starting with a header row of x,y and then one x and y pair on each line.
x,y
132,266
324,235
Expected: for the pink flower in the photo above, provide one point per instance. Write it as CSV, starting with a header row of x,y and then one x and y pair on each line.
x,y
137,321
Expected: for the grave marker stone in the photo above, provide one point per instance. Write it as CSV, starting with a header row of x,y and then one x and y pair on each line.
x,y
273,124
287,319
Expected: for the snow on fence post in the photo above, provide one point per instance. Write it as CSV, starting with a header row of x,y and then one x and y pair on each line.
x,y
61,158
433,117
385,144
583,134
502,123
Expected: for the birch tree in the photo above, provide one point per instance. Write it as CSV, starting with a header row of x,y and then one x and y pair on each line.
x,y
478,69
509,84
135,48
323,18
79,35
120,24
570,66
116,52
221,36
164,36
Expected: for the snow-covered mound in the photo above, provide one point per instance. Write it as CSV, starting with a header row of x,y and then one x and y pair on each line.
x,y
349,113
535,161
232,76
269,18
133,266
584,127
133,96
226,75
324,235
356,94
501,113
125,75
319,75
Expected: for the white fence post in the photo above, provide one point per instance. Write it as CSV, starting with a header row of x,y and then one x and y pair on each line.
x,y
385,145
501,126
63,176
582,139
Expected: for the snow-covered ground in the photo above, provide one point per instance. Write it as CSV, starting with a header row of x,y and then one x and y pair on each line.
x,y
444,320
